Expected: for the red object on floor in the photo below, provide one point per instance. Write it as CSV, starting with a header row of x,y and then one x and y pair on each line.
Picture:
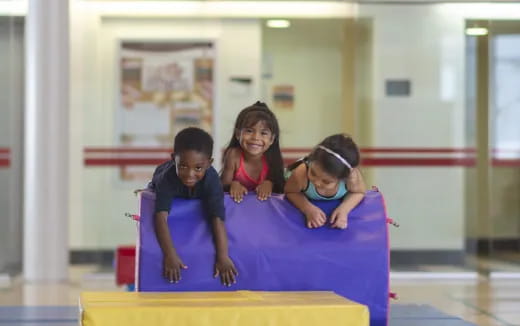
x,y
125,265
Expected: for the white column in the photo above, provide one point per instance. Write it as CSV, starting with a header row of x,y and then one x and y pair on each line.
x,y
46,184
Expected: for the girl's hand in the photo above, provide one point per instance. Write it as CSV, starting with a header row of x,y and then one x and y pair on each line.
x,y
339,218
315,217
226,269
172,266
237,191
264,190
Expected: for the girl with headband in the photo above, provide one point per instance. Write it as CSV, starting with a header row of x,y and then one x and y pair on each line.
x,y
329,172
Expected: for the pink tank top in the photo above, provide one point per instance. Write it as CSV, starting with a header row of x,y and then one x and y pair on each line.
x,y
244,178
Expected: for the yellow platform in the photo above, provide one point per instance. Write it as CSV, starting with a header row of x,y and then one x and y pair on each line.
x,y
244,308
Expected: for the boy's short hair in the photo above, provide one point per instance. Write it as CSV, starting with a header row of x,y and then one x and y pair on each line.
x,y
194,139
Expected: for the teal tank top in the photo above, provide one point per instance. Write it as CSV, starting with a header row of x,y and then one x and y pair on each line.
x,y
311,192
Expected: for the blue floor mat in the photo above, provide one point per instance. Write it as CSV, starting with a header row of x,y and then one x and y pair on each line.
x,y
38,315
400,315
423,315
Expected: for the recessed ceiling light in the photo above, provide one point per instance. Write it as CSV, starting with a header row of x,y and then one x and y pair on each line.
x,y
476,31
278,23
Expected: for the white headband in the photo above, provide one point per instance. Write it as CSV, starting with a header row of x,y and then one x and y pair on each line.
x,y
339,157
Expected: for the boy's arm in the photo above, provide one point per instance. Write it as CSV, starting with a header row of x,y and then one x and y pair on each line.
x,y
213,198
224,266
293,191
172,264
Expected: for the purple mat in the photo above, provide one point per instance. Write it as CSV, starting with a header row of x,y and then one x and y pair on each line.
x,y
273,251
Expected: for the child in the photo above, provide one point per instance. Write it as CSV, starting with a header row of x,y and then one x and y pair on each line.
x,y
328,173
190,175
252,160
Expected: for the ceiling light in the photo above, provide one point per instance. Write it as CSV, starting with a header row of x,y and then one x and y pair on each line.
x,y
278,23
476,31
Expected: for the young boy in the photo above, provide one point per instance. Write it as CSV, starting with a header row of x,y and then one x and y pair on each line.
x,y
190,175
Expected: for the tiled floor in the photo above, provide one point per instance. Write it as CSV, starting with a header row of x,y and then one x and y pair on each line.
x,y
483,302
475,297
480,301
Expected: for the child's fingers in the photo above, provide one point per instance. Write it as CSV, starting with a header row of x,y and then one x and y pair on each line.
x,y
333,217
263,195
216,273
231,277
236,197
224,279
340,224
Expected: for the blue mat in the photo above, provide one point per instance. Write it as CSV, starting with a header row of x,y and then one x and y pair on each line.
x,y
400,315
38,316
273,250
423,315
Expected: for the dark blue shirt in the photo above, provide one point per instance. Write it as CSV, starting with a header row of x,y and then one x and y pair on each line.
x,y
167,186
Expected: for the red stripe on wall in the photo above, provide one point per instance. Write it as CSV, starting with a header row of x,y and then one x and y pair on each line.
x,y
416,150
407,162
440,150
506,162
5,161
127,150
441,161
122,161
105,156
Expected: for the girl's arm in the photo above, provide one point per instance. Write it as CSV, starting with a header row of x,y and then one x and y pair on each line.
x,y
293,191
356,191
231,162
224,266
172,264
230,166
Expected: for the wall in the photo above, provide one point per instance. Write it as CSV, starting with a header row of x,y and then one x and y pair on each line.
x,y
99,199
310,56
417,43
423,43
11,124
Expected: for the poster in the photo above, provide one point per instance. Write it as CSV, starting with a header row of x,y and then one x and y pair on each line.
x,y
283,96
164,87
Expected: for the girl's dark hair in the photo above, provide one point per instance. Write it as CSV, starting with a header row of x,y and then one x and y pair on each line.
x,y
341,144
247,118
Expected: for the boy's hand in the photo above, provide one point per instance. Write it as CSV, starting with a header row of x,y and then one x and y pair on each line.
x,y
339,218
264,190
172,266
315,217
237,191
226,269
